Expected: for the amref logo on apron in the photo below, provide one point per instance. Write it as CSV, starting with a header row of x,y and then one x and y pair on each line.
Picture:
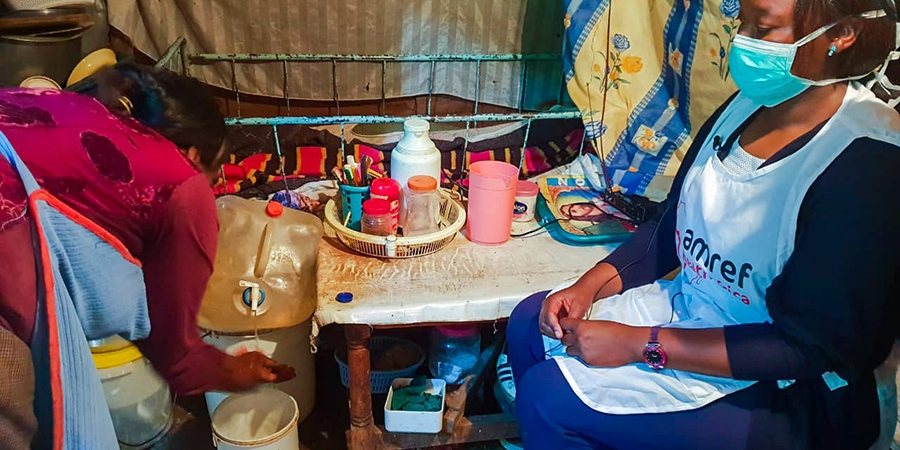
x,y
699,263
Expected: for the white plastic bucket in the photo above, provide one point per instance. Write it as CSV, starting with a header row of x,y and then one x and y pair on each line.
x,y
235,346
265,419
287,345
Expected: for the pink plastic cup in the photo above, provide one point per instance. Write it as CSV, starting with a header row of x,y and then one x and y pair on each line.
x,y
492,193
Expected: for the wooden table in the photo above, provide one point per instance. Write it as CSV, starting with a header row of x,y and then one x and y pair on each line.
x,y
464,282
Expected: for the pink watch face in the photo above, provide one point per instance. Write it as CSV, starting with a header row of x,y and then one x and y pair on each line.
x,y
655,356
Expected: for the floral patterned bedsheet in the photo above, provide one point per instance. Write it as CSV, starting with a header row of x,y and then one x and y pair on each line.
x,y
647,74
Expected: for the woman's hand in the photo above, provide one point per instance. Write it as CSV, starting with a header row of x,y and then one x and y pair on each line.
x,y
573,302
250,369
602,343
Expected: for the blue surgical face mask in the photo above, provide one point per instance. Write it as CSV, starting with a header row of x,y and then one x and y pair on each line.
x,y
762,69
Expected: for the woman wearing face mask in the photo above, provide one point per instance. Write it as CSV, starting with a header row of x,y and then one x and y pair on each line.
x,y
784,228
107,226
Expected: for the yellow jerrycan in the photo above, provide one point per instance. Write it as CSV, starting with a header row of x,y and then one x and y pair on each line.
x,y
265,269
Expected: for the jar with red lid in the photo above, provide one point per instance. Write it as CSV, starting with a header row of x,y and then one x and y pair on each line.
x,y
376,217
388,189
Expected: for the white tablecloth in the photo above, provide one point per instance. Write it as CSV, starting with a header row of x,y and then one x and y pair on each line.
x,y
464,282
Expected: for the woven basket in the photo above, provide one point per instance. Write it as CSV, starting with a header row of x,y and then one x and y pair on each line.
x,y
381,380
453,217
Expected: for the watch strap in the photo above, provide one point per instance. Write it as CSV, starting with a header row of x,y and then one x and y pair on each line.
x,y
654,354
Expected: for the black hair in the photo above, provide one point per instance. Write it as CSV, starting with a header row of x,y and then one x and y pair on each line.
x,y
180,108
875,37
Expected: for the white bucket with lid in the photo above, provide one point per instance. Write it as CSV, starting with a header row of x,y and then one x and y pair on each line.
x,y
265,419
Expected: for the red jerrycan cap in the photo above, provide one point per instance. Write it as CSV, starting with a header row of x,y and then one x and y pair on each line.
x,y
274,209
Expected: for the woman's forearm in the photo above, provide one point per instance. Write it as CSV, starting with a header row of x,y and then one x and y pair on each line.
x,y
602,280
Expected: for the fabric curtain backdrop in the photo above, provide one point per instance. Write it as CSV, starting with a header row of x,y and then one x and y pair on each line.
x,y
367,27
667,60
662,70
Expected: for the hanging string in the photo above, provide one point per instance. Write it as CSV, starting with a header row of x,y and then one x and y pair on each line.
x,y
598,131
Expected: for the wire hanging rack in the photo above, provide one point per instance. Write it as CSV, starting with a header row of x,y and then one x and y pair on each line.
x,y
177,59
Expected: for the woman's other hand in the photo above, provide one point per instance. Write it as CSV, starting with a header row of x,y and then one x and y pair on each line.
x,y
601,343
573,301
250,369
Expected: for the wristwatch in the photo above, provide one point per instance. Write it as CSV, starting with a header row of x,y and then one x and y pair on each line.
x,y
654,355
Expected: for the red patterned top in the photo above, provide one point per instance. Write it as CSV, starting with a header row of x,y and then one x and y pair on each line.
x,y
135,184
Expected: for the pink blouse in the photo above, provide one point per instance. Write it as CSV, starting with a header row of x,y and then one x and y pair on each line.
x,y
139,187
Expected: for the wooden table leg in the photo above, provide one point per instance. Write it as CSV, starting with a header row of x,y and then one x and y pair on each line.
x,y
363,434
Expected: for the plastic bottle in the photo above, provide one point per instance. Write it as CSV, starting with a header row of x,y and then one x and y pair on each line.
x,y
454,352
421,211
415,154
376,219
388,189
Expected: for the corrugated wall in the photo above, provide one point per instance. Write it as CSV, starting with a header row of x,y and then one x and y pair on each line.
x,y
358,27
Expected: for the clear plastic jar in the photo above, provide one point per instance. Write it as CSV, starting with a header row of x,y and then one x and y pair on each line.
x,y
376,218
454,352
421,212
138,398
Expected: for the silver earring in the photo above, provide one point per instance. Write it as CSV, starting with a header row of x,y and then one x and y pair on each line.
x,y
832,50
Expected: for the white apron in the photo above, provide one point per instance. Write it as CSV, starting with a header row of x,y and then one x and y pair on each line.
x,y
734,235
